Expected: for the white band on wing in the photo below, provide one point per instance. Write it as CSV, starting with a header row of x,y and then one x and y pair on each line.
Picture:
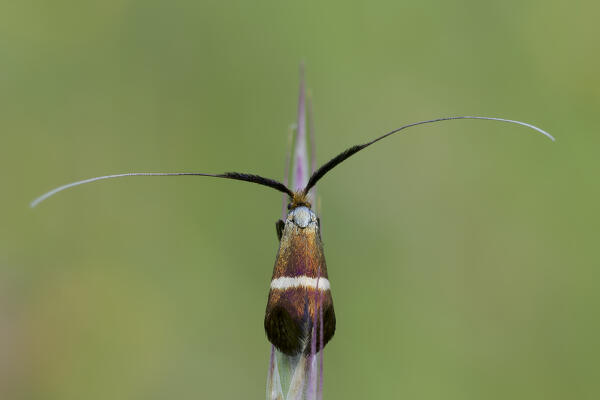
x,y
286,282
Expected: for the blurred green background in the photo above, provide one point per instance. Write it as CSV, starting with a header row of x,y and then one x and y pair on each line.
x,y
463,256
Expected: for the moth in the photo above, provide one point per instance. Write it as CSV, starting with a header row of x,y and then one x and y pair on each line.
x,y
299,301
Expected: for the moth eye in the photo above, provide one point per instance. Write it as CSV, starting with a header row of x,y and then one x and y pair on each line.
x,y
289,206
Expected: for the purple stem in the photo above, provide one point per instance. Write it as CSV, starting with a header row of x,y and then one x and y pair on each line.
x,y
312,382
320,388
286,175
300,156
313,143
272,364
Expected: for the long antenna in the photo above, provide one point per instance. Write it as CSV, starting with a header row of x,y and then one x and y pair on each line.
x,y
228,175
329,165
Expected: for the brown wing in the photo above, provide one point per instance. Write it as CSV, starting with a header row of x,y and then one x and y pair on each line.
x,y
300,290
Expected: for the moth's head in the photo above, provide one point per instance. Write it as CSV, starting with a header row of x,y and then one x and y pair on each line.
x,y
300,213
302,217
